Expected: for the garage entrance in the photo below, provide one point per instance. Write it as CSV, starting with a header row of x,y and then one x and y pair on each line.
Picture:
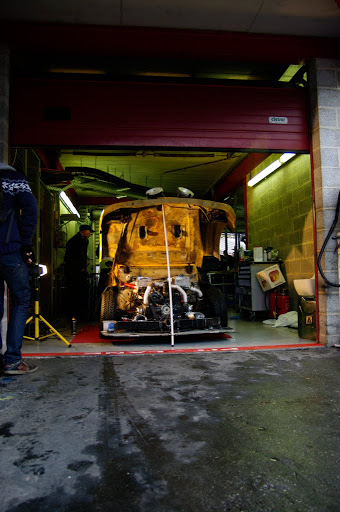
x,y
210,139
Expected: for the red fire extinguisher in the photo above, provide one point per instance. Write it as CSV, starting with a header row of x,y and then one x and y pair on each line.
x,y
279,303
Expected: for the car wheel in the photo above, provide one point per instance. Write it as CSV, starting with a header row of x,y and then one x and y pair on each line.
x,y
216,304
108,307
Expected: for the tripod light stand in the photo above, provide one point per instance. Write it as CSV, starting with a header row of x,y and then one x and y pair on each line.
x,y
37,317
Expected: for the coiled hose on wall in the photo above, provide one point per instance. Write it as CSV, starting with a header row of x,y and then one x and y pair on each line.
x,y
326,242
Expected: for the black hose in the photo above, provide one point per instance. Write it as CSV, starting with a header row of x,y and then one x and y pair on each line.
x,y
337,285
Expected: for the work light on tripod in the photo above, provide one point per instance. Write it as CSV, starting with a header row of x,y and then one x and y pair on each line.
x,y
36,271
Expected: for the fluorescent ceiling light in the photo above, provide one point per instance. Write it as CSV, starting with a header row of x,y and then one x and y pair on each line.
x,y
68,203
78,71
271,168
165,74
290,72
228,76
285,157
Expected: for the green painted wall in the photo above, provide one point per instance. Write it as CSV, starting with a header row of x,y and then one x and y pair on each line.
x,y
280,215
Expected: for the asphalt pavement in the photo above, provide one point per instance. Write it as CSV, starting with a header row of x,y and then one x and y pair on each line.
x,y
231,432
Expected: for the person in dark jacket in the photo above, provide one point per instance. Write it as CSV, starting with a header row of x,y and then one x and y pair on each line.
x,y
16,231
75,265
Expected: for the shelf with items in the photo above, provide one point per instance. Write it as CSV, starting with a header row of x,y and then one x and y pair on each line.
x,y
248,292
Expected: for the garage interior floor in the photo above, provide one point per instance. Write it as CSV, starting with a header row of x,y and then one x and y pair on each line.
x,y
247,335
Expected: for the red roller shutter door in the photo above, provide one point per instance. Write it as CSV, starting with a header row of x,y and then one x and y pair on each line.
x,y
89,113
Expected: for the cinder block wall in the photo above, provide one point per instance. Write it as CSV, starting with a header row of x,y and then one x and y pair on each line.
x,y
280,216
324,80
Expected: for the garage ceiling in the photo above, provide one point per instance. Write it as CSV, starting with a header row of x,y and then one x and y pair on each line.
x,y
290,17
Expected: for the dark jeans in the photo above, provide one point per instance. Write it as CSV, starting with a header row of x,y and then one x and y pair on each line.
x,y
14,272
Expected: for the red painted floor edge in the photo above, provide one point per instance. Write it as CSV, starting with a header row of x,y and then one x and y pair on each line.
x,y
175,350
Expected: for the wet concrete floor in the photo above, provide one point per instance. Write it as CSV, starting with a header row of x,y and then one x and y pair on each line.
x,y
251,432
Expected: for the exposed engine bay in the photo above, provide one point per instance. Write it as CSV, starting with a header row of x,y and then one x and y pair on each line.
x,y
147,309
157,246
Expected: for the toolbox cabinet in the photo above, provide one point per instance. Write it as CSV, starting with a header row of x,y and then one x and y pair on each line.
x,y
248,293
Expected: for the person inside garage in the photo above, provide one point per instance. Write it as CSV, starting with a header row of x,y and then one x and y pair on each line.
x,y
18,220
76,278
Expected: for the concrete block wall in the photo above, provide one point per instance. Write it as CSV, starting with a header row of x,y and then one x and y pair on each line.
x,y
280,215
4,102
324,79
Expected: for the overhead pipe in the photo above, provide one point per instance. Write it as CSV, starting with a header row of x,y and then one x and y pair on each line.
x,y
91,184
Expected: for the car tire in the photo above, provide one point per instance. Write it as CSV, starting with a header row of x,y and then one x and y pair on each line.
x,y
216,304
108,307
